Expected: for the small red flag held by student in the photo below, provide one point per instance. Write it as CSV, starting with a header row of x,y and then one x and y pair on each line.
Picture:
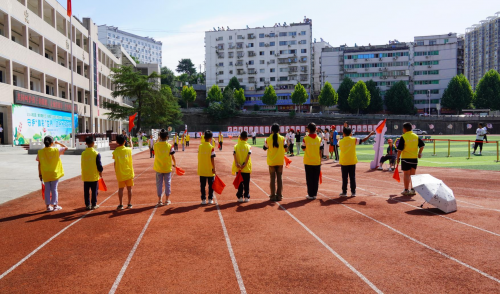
x,y
238,180
218,185
287,162
102,185
43,191
131,122
396,174
179,171
320,177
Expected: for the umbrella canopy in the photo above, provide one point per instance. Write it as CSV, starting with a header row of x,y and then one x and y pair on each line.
x,y
435,192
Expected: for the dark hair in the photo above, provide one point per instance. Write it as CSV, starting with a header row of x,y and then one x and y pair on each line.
x,y
243,135
407,126
47,141
120,139
208,134
311,127
275,128
481,124
89,140
163,134
347,131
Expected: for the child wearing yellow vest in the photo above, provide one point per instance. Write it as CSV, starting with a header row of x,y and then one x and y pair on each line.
x,y
221,139
410,148
348,159
206,167
243,164
176,142
163,166
124,170
187,140
312,145
91,172
276,147
50,170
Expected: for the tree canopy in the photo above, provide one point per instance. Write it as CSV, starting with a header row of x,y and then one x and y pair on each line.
x,y
299,95
376,102
270,97
458,94
343,92
214,94
168,77
398,99
186,66
488,91
233,84
239,97
359,97
188,94
328,96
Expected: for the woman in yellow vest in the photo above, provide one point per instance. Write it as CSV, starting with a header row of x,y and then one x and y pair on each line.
x,y
50,170
124,170
243,164
313,150
91,172
163,166
276,148
221,139
410,148
176,142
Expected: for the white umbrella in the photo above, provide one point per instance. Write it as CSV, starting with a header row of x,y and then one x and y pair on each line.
x,y
435,192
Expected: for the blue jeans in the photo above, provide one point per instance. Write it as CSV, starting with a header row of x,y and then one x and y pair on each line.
x,y
160,179
203,183
51,188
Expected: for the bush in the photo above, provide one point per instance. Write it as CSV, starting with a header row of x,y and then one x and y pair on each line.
x,y
256,107
292,114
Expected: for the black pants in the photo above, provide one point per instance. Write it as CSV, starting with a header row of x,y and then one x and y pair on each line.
x,y
476,144
151,154
220,145
244,186
348,171
290,148
391,158
254,140
176,146
93,186
203,183
187,143
312,179
336,152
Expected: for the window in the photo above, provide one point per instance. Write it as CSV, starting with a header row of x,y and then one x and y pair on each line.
x,y
282,34
272,52
250,62
292,33
283,78
230,37
230,63
292,42
261,79
273,79
420,43
261,53
261,35
262,61
303,50
230,72
14,80
272,35
262,70
221,63
284,69
302,42
432,42
239,37
283,43
272,43
221,72
250,45
272,70
425,53
271,61
262,44
303,33
240,80
221,81
446,41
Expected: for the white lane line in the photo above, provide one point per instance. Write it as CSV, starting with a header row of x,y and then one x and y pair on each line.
x,y
56,235
231,252
345,262
131,254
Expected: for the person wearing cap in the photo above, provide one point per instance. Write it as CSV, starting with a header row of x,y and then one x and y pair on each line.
x,y
391,155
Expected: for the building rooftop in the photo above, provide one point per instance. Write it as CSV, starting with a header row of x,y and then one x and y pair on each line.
x,y
147,39
306,21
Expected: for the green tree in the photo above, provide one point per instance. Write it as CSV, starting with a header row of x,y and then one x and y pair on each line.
x,y
376,102
328,96
270,97
168,77
359,97
161,109
188,94
186,66
488,91
233,84
458,94
135,59
299,95
343,92
214,94
239,97
399,100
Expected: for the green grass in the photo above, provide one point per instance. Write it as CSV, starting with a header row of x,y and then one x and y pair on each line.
x,y
458,153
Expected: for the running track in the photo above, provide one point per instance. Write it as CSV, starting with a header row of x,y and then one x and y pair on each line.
x,y
376,242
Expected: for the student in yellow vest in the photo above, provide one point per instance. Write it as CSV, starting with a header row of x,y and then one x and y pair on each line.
x,y
348,159
91,172
163,166
50,170
124,170
183,141
176,142
187,140
410,148
221,139
243,164
206,167
312,146
276,147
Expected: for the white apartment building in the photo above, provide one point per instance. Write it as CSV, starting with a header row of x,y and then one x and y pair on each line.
x,y
279,56
426,66
35,72
316,69
146,49
482,48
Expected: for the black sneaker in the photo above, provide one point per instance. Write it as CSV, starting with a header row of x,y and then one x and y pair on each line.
x,y
88,207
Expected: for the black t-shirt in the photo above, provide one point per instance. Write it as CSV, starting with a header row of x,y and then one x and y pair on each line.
x,y
297,137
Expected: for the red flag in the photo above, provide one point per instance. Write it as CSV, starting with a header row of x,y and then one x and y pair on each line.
x,y
43,191
102,185
237,181
320,177
218,185
131,122
396,174
380,128
179,171
287,162
68,8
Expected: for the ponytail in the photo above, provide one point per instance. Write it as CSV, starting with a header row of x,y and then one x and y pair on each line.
x,y
275,129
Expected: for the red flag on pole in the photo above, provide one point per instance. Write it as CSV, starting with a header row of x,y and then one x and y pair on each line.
x,y
179,171
320,177
237,181
69,8
380,128
131,122
43,191
102,185
218,185
287,162
396,174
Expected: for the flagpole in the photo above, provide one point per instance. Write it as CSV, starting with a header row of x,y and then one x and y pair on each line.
x,y
72,87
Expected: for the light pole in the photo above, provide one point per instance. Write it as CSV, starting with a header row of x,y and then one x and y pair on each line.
x,y
429,96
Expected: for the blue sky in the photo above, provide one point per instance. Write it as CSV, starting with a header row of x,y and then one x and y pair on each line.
x,y
180,25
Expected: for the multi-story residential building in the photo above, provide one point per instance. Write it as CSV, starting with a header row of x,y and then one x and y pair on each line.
x,y
279,56
35,72
426,66
145,49
482,48
316,70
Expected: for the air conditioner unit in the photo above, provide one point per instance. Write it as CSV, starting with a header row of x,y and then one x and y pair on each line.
x,y
366,69
394,58
243,37
267,35
394,77
380,59
293,36
427,56
267,44
429,66
289,45
366,59
379,69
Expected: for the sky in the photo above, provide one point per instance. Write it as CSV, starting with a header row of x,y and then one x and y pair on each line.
x,y
181,25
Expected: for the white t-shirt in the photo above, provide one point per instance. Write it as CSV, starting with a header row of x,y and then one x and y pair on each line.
x,y
480,133
291,138
254,134
1,129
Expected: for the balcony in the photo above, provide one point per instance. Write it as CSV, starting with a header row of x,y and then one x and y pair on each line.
x,y
239,63
303,60
231,47
220,56
252,72
231,56
241,73
220,48
251,54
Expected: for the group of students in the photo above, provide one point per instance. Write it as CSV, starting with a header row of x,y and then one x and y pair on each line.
x,y
184,141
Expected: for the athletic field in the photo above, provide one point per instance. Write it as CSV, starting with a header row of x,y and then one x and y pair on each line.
x,y
377,242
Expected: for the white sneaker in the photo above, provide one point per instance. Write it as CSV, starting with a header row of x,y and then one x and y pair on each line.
x,y
405,193
380,168
479,153
49,208
310,198
203,202
343,194
57,207
210,201
240,199
247,199
390,169
168,202
353,194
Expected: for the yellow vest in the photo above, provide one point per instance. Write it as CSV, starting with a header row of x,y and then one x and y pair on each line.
x,y
311,154
89,165
242,149
187,138
275,156
50,164
163,160
205,160
411,145
124,168
348,151
177,139
221,138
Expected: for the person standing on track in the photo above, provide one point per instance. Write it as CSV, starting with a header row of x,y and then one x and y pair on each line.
x,y
334,144
151,143
254,137
176,142
183,141
91,172
206,167
410,149
291,141
187,140
313,149
297,141
243,164
124,170
50,170
221,139
480,135
276,148
163,166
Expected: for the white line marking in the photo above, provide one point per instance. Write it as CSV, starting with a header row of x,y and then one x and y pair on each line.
x,y
56,235
131,254
231,252
345,262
